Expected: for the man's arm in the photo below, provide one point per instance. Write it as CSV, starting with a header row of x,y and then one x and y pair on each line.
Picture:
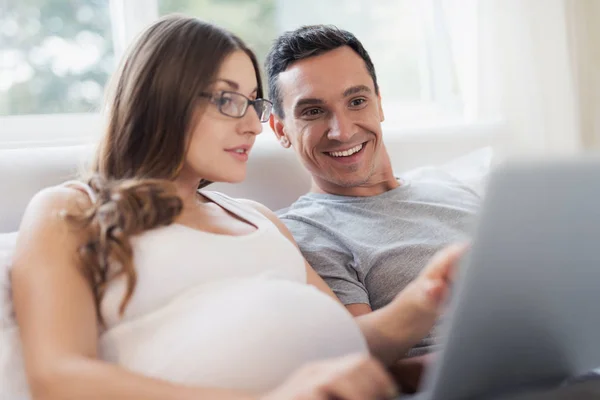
x,y
358,309
408,371
330,258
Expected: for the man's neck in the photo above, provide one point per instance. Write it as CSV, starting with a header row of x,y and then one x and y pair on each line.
x,y
376,185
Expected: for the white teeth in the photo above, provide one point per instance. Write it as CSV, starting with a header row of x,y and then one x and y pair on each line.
x,y
346,153
240,151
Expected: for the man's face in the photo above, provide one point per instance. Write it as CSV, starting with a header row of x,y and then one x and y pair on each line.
x,y
333,118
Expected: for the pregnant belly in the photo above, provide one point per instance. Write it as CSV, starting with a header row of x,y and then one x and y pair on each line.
x,y
246,335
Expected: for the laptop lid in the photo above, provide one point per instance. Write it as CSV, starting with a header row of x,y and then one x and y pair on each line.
x,y
526,306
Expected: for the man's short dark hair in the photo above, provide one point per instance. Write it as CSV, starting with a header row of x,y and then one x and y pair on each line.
x,y
304,42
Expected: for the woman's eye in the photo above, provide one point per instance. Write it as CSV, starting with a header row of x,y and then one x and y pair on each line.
x,y
223,101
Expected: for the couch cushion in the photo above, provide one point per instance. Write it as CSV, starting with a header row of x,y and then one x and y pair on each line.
x,y
275,178
23,172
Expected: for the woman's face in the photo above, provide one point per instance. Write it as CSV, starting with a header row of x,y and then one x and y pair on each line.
x,y
220,144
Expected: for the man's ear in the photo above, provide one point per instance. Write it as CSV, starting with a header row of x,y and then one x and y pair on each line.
x,y
272,124
380,107
277,127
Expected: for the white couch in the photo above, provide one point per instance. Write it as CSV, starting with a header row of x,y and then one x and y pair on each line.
x,y
275,177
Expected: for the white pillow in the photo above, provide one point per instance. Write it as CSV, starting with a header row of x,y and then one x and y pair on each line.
x,y
471,170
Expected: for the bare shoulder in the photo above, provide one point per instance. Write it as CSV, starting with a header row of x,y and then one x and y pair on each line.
x,y
48,206
43,224
59,197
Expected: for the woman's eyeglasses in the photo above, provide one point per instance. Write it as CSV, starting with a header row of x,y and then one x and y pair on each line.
x,y
235,104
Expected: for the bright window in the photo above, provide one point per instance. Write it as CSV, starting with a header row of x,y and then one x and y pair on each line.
x,y
253,20
398,34
55,56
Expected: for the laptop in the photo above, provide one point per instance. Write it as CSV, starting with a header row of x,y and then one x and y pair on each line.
x,y
525,310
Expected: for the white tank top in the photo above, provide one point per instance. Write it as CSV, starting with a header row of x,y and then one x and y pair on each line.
x,y
223,311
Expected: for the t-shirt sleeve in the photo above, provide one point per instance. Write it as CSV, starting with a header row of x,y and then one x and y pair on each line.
x,y
331,260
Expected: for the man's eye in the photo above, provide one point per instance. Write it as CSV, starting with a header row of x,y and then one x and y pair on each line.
x,y
358,102
312,112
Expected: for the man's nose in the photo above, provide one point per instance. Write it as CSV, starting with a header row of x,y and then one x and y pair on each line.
x,y
341,128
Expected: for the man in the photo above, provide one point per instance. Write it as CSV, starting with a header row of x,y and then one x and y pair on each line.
x,y
365,231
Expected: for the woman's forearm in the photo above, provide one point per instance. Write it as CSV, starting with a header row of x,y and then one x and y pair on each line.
x,y
91,379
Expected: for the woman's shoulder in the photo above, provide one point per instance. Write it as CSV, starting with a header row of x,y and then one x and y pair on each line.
x,y
45,228
66,196
247,204
48,207
267,213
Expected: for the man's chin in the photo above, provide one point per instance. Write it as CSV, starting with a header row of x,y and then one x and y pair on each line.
x,y
343,179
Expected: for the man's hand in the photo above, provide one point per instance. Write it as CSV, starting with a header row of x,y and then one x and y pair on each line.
x,y
432,286
420,304
392,330
408,372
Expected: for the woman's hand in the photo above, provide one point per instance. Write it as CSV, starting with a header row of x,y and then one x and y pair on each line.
x,y
354,377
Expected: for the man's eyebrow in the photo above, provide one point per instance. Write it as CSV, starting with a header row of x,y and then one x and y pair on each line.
x,y
356,89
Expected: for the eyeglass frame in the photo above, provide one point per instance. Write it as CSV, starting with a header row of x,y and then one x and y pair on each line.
x,y
249,102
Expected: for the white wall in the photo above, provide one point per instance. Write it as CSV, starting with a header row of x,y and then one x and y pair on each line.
x,y
584,15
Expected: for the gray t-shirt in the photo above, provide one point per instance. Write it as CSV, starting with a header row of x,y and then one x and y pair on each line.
x,y
369,248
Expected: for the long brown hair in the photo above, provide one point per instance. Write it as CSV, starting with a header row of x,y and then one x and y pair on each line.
x,y
151,107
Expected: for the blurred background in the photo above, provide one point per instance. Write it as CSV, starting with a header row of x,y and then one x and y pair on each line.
x,y
521,76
